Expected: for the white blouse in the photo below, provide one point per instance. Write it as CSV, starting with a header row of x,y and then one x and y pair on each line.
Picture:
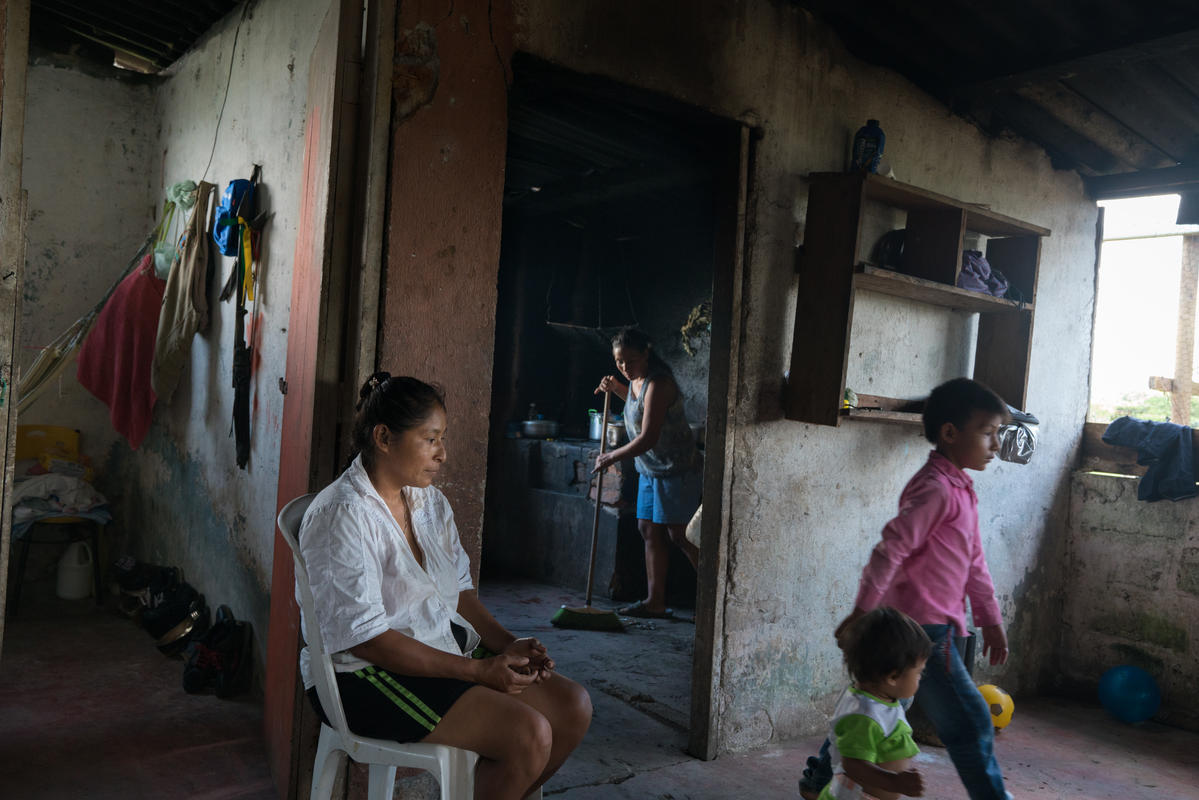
x,y
365,578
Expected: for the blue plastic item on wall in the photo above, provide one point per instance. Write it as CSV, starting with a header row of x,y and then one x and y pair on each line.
x,y
234,203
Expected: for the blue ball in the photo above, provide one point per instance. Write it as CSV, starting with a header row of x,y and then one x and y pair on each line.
x,y
1129,693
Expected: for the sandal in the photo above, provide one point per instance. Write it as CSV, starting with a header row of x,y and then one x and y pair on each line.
x,y
639,609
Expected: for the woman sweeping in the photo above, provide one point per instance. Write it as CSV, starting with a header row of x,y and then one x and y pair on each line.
x,y
662,446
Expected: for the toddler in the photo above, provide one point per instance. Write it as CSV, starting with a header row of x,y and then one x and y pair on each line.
x,y
870,743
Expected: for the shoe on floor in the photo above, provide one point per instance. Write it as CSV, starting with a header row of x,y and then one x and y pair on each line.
x,y
237,662
640,609
221,659
200,668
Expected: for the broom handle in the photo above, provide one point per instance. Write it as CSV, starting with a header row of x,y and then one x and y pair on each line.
x,y
599,492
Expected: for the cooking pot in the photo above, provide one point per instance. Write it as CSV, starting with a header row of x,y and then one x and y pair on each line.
x,y
617,435
595,427
539,428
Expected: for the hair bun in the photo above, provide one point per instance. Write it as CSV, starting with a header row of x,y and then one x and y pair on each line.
x,y
373,383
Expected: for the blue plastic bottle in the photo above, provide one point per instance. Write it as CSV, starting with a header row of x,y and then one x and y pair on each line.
x,y
868,145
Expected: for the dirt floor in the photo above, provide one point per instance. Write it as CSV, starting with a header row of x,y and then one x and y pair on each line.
x,y
90,709
639,686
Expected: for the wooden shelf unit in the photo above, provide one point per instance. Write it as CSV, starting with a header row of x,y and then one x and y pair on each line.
x,y
886,409
887,281
881,415
833,269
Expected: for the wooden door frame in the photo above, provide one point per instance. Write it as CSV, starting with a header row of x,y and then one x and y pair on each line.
x,y
331,338
724,380
733,192
14,19
370,215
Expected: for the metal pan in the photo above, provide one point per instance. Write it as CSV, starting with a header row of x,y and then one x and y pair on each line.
x,y
539,428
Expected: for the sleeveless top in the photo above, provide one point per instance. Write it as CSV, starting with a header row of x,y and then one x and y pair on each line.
x,y
674,454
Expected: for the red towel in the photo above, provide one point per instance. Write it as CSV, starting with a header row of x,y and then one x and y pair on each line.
x,y
115,360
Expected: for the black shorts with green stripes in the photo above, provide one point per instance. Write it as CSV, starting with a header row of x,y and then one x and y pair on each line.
x,y
386,705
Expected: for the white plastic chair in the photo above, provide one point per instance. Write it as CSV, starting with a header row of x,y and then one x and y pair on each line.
x,y
453,767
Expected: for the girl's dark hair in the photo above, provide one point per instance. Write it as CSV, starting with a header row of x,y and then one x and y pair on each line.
x,y
400,403
883,642
635,338
955,401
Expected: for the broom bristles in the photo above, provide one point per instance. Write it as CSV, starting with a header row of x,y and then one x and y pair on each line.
x,y
586,618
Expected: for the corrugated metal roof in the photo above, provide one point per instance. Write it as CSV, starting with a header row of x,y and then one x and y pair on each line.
x,y
1107,87
144,35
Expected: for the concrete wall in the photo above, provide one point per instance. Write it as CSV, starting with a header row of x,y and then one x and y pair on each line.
x,y
201,511
437,316
180,499
674,275
808,502
91,170
1133,593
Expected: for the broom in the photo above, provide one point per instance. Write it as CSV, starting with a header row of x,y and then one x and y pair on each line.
x,y
586,617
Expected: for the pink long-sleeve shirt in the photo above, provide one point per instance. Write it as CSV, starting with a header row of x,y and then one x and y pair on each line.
x,y
931,556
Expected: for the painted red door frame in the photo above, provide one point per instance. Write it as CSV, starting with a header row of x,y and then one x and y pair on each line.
x,y
313,348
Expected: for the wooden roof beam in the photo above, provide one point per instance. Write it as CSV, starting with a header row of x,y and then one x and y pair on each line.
x,y
129,25
1081,114
1067,147
1099,59
1169,180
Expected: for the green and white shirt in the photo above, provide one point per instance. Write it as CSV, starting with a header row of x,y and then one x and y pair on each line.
x,y
866,728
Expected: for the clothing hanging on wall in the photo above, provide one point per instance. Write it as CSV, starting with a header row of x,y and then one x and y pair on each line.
x,y
237,231
1166,448
116,357
60,353
185,300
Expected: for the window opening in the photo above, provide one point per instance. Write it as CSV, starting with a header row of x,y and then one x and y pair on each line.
x,y
1143,356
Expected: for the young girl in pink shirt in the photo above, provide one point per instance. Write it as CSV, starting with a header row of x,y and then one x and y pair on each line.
x,y
929,561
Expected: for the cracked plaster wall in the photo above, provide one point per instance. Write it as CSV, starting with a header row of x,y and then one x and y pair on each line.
x,y
808,502
180,499
91,172
446,182
1134,591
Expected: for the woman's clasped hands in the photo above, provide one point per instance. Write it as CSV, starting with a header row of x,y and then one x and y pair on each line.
x,y
522,663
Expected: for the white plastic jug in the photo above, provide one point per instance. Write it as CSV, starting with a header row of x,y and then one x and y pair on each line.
x,y
75,572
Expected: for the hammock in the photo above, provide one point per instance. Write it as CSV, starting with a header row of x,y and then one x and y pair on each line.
x,y
55,357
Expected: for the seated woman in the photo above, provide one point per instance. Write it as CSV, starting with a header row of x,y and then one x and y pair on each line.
x,y
398,610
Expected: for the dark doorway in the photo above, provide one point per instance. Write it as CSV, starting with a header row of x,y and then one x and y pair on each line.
x,y
613,206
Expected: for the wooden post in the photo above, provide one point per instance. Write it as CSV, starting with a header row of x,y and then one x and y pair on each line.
x,y
14,56
724,382
1184,349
